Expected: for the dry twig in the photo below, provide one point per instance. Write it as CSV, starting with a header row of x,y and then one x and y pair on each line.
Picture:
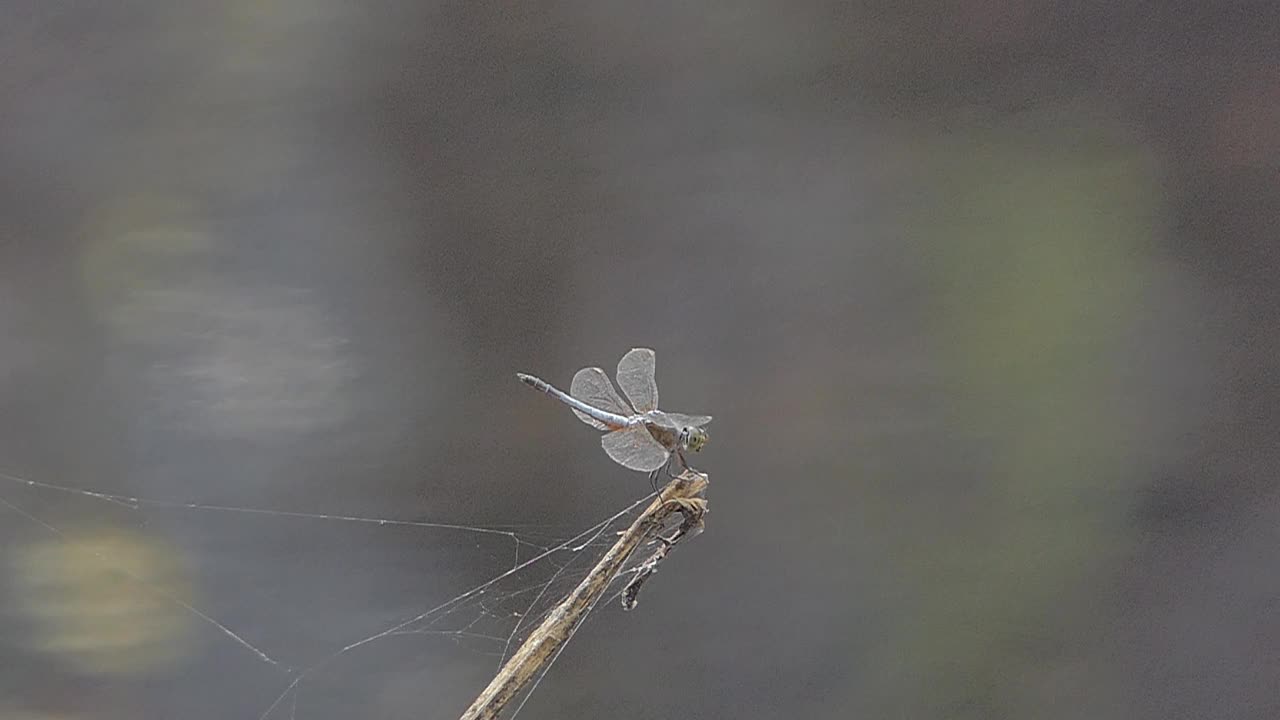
x,y
693,509
681,495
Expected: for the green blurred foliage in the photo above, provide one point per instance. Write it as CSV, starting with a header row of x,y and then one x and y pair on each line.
x,y
1031,241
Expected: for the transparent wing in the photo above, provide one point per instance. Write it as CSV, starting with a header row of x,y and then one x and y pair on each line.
x,y
636,378
592,386
634,448
681,420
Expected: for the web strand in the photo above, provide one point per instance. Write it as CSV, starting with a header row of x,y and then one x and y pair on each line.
x,y
470,619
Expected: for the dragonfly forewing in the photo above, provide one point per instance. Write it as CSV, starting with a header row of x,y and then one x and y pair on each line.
x,y
680,420
634,448
636,377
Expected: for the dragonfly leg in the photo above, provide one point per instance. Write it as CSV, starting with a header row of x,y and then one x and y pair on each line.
x,y
680,455
664,470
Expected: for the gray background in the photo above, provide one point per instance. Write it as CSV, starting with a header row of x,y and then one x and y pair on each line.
x,y
981,294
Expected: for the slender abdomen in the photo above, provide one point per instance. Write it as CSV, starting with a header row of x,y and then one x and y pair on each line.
x,y
610,420
536,383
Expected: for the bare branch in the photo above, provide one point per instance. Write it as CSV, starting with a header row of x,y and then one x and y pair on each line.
x,y
539,649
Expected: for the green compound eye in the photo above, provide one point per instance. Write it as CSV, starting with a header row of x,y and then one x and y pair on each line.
x,y
697,438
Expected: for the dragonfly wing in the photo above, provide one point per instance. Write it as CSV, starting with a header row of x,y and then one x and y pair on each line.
x,y
634,448
636,377
682,421
592,386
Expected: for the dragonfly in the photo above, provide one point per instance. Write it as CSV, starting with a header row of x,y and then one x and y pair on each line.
x,y
637,435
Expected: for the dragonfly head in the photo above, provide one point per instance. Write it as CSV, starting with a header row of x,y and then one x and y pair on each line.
x,y
693,438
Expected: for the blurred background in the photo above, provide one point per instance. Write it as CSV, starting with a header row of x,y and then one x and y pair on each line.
x,y
980,293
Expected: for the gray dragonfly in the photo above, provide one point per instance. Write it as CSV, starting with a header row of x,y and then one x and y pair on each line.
x,y
638,436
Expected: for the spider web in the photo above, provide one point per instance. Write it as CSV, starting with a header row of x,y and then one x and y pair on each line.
x,y
248,644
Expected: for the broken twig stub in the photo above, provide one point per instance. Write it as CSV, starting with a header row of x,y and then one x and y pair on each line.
x,y
693,510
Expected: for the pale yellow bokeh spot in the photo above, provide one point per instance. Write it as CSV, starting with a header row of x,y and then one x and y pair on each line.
x,y
107,602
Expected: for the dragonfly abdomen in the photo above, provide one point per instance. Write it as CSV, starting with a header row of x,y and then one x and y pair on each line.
x,y
536,383
613,421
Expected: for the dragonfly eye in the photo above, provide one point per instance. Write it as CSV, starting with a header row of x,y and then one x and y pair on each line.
x,y
695,438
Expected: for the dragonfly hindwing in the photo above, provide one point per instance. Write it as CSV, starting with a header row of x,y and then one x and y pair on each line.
x,y
592,386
